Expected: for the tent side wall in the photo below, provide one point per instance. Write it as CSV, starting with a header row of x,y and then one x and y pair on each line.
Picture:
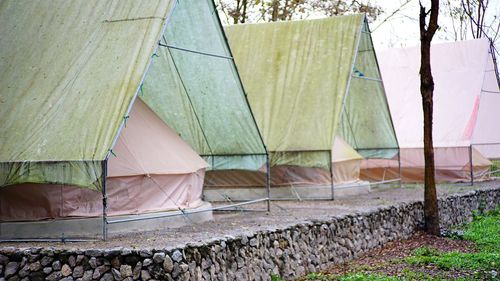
x,y
459,67
152,170
286,68
194,85
366,123
486,136
90,82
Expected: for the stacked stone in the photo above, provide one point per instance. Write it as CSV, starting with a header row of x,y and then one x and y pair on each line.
x,y
289,252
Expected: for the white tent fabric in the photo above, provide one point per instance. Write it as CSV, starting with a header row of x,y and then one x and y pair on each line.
x,y
465,97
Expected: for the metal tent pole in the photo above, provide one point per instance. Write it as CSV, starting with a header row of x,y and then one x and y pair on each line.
x,y
399,167
471,166
104,201
268,182
331,177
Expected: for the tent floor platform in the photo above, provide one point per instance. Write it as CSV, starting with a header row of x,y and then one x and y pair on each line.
x,y
91,228
217,194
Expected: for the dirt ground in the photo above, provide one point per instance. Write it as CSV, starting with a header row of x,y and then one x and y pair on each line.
x,y
248,219
385,260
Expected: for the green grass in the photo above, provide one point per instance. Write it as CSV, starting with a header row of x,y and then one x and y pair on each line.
x,y
484,231
495,165
366,277
456,260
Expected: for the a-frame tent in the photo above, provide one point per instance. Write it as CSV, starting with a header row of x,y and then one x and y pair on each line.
x,y
84,129
466,102
309,83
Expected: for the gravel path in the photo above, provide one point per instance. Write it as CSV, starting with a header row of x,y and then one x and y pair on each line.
x,y
282,213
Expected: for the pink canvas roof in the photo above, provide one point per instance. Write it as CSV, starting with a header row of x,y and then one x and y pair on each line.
x,y
465,96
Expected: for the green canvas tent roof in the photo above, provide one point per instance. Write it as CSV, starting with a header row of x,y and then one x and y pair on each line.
x,y
71,70
205,102
308,81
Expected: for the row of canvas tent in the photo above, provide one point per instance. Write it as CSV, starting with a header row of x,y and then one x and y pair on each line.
x,y
120,107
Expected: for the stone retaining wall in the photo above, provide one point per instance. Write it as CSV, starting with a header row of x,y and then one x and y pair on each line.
x,y
290,252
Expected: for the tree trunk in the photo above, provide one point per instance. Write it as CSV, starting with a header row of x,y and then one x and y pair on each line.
x,y
431,212
275,10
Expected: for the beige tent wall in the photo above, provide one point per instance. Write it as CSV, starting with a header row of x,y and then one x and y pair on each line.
x,y
126,195
153,170
376,170
486,137
452,165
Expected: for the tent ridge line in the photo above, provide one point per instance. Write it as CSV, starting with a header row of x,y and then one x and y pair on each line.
x,y
139,86
349,78
224,37
383,87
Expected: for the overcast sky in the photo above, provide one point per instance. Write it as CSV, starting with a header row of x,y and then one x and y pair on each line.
x,y
402,30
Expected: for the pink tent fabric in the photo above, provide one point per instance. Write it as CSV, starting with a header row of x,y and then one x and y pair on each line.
x,y
465,96
154,170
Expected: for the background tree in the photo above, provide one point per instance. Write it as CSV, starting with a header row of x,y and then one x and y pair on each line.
x,y
427,32
242,11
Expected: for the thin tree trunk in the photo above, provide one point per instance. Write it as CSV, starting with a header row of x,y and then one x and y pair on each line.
x,y
431,211
275,10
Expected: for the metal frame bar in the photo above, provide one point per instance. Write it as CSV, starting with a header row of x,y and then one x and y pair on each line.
x,y
494,58
104,201
386,181
471,166
487,143
63,240
332,186
234,154
194,52
399,168
186,212
376,148
367,78
268,182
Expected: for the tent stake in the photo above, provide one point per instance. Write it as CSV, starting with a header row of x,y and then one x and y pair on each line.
x,y
104,201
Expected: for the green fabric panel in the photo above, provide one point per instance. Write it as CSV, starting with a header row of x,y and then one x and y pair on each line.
x,y
163,91
366,108
388,153
295,74
317,159
243,162
68,72
86,174
200,94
